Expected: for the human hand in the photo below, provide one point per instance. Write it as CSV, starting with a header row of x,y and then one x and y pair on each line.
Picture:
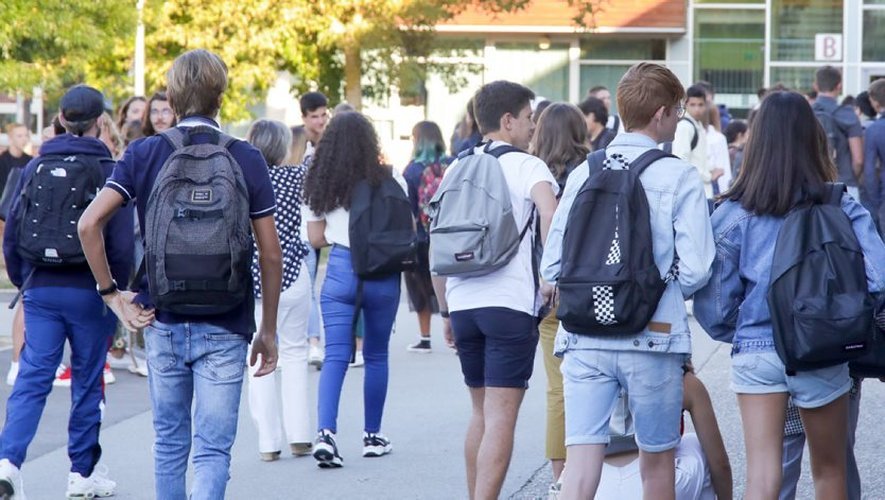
x,y
548,293
131,315
264,344
716,173
448,334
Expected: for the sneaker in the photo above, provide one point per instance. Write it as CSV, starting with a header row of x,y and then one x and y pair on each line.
x,y
95,486
10,480
554,491
422,345
375,445
358,360
301,449
62,376
108,375
138,366
325,451
269,456
12,374
101,485
315,357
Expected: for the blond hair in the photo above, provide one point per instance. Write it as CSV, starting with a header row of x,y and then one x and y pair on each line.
x,y
195,83
643,90
12,126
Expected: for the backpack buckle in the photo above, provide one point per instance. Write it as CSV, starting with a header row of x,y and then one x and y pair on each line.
x,y
177,286
182,213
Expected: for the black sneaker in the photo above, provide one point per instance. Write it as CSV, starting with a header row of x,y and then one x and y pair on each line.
x,y
422,345
325,451
375,445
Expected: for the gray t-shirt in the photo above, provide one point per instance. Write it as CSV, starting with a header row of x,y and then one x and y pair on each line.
x,y
848,125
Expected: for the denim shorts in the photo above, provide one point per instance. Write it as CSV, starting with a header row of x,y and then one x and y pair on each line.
x,y
762,372
496,346
592,380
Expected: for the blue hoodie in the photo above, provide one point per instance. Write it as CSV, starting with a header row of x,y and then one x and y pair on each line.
x,y
118,234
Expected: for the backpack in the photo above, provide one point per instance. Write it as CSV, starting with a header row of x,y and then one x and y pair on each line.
x,y
821,308
872,364
668,146
835,136
198,234
381,230
616,125
473,231
609,283
52,201
431,178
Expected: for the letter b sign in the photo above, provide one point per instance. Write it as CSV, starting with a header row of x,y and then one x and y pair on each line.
x,y
828,47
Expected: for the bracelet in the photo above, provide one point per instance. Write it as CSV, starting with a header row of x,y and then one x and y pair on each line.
x,y
107,291
444,314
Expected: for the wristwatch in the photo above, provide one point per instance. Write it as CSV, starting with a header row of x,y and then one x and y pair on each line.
x,y
106,291
444,314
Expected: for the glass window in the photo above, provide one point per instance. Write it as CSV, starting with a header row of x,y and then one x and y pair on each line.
x,y
607,75
798,79
794,23
630,50
729,49
543,71
874,35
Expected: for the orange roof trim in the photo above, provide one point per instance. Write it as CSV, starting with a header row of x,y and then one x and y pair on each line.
x,y
556,16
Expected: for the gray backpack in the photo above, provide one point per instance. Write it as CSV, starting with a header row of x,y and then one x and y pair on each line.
x,y
198,235
473,231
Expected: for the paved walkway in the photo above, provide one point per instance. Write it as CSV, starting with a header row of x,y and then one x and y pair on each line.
x,y
426,416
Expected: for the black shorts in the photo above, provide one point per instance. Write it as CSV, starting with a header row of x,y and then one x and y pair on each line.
x,y
496,346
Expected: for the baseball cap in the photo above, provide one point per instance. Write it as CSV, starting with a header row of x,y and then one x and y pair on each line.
x,y
82,103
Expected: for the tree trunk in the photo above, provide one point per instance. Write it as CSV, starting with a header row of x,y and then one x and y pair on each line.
x,y
353,90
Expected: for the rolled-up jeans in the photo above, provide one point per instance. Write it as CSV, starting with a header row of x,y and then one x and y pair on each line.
x,y
199,366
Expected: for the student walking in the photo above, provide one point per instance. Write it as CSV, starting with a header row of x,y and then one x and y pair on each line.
x,y
204,222
159,115
60,301
347,154
615,337
786,167
423,176
490,309
284,392
560,141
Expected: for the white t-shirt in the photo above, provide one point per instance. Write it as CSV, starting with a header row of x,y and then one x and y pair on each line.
x,y
513,285
338,220
717,156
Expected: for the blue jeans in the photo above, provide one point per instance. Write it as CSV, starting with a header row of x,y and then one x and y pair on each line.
x,y
199,365
53,315
379,306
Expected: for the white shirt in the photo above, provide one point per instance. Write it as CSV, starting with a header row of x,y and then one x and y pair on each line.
x,y
697,157
338,221
512,286
717,156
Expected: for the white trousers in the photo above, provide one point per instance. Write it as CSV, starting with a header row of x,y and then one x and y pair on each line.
x,y
280,400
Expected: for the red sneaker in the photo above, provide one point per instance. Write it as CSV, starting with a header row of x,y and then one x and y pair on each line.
x,y
62,376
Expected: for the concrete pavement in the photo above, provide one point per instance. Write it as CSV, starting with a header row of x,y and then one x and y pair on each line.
x,y
425,417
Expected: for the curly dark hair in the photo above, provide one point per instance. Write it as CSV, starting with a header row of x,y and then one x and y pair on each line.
x,y
347,153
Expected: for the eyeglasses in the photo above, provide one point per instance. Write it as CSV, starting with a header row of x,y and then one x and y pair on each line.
x,y
161,112
680,111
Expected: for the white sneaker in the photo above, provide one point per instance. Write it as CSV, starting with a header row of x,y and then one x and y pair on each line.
x,y
95,486
12,374
10,481
120,363
108,375
315,356
138,366
358,360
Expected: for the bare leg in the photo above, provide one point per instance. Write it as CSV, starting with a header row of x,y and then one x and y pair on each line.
x,y
658,471
475,431
763,418
424,322
557,465
826,432
501,407
584,470
18,331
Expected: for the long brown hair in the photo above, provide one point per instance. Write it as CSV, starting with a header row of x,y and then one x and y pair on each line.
x,y
785,160
561,138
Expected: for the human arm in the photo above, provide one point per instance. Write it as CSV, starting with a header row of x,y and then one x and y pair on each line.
x,y
91,231
693,235
14,261
439,289
716,306
870,242
855,144
697,402
316,233
270,264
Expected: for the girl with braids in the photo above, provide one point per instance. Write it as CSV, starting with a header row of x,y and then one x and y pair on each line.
x,y
348,153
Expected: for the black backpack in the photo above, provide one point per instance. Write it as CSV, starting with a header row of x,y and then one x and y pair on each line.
x,y
609,283
198,234
821,308
835,137
668,146
382,230
52,201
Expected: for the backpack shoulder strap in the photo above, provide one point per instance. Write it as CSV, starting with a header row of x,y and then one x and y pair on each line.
x,y
645,160
501,150
596,160
179,137
694,138
174,136
617,124
835,195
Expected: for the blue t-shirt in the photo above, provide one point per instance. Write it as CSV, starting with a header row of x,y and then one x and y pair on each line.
x,y
134,177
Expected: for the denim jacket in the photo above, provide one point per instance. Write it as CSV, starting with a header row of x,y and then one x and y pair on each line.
x,y
680,226
733,307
